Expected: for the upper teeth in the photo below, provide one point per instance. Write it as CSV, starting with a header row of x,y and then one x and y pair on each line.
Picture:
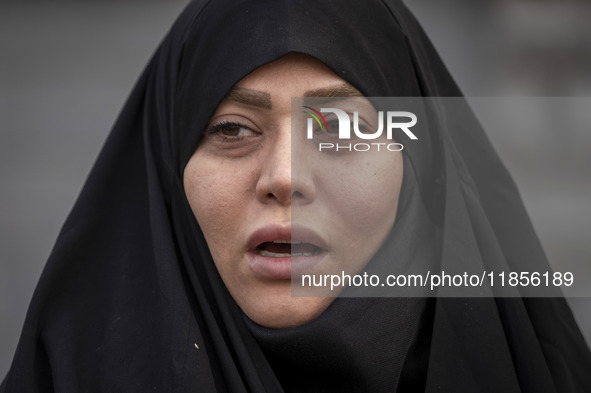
x,y
286,241
266,253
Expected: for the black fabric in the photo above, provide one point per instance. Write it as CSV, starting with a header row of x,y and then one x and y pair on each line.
x,y
356,345
130,300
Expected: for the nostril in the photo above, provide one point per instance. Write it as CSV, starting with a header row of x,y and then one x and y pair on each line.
x,y
297,194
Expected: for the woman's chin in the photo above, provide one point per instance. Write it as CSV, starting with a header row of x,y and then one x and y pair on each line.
x,y
286,311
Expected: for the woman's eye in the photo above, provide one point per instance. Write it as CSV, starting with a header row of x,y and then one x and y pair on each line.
x,y
331,129
231,130
362,127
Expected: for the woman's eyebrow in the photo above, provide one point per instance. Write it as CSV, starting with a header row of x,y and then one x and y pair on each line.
x,y
250,97
340,90
263,100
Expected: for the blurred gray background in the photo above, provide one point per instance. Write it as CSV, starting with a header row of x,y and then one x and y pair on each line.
x,y
67,67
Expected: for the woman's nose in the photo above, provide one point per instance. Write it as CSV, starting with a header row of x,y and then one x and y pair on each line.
x,y
283,178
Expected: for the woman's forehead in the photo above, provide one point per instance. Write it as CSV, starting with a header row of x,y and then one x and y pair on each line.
x,y
295,73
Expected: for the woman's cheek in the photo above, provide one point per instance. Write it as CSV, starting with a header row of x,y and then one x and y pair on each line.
x,y
203,190
363,193
220,195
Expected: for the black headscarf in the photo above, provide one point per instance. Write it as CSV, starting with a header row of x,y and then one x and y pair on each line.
x,y
130,300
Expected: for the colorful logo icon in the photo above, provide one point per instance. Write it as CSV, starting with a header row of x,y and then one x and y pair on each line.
x,y
315,115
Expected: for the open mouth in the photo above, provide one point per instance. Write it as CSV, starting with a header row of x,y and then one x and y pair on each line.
x,y
287,248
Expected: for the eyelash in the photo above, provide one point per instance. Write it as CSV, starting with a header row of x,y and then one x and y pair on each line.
x,y
216,128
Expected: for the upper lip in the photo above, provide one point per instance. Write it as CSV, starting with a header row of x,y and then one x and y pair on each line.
x,y
284,232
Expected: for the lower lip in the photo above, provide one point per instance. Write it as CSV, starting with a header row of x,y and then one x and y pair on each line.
x,y
281,268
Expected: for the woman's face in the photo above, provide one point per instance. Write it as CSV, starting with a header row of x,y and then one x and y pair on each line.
x,y
268,203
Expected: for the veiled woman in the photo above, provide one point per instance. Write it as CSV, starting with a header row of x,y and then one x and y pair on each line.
x,y
172,271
